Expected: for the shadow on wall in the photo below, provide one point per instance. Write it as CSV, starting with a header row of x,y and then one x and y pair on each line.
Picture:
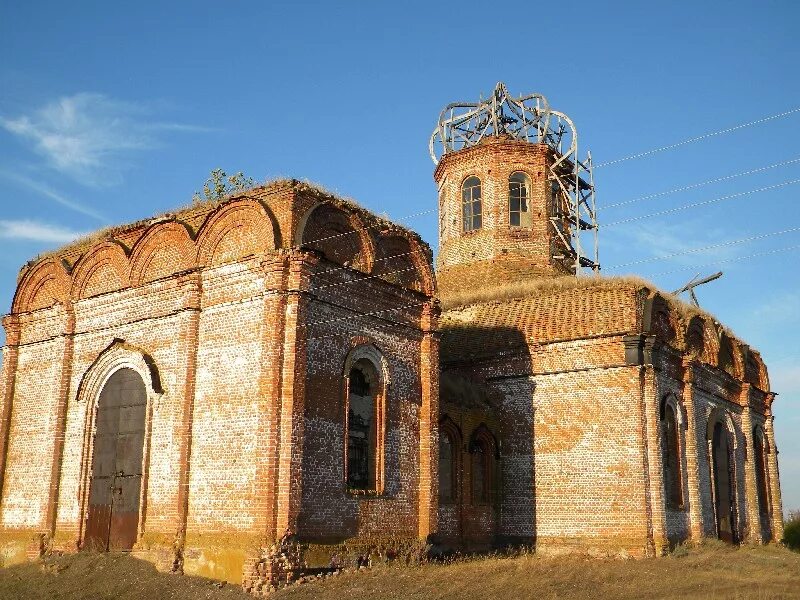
x,y
487,487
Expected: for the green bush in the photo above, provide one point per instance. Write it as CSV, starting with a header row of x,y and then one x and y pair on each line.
x,y
791,531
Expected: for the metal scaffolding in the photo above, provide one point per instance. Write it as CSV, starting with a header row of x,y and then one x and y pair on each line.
x,y
530,118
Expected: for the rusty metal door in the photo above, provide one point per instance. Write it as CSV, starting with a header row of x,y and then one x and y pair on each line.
x,y
723,485
113,519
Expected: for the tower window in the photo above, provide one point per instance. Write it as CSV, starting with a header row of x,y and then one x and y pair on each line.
x,y
471,203
519,189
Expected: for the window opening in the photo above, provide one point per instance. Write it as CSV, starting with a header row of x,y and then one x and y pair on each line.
x,y
471,202
518,198
672,459
361,427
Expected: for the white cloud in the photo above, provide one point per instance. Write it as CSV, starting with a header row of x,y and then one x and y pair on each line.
x,y
670,245
37,231
50,193
88,136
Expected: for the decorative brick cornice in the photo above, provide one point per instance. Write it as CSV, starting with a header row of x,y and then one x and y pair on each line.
x,y
12,326
639,349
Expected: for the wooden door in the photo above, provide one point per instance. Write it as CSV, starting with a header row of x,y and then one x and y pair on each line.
x,y
115,490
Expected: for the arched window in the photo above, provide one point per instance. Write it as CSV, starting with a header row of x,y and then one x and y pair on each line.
x,y
471,203
670,444
519,190
759,450
446,461
482,452
449,455
362,426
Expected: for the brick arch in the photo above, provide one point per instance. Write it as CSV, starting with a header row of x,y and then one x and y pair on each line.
x,y
164,249
695,337
660,319
755,372
729,356
401,260
482,434
44,285
342,237
103,269
240,228
117,356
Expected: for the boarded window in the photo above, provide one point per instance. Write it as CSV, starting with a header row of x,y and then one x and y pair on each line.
x,y
519,187
471,203
673,484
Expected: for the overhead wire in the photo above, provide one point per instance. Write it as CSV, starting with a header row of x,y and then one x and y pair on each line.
x,y
697,204
698,185
728,260
697,138
704,248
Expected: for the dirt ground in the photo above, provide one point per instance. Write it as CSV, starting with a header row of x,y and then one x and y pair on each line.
x,y
711,571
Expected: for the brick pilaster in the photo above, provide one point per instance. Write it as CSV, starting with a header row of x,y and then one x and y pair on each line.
x,y
692,456
774,482
61,420
751,493
655,466
192,289
267,452
429,423
10,358
291,424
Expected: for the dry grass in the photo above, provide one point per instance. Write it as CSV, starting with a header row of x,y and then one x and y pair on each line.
x,y
711,571
541,286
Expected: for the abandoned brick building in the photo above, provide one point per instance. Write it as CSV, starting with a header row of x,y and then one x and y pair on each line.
x,y
190,387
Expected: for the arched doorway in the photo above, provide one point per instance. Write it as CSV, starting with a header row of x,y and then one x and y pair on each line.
x,y
724,484
118,449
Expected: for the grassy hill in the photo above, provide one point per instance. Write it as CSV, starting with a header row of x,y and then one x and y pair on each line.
x,y
711,571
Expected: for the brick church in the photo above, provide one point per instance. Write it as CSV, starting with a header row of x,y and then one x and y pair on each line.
x,y
192,386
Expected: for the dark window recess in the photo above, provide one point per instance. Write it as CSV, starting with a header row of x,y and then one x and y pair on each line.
x,y
673,484
471,203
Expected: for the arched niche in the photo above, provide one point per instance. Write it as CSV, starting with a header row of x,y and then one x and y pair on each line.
x,y
450,457
119,361
341,237
44,285
722,440
101,270
366,374
401,261
695,337
660,318
729,357
756,371
240,228
164,249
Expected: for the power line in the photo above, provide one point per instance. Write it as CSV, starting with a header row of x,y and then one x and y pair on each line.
x,y
703,248
703,203
701,184
697,138
728,260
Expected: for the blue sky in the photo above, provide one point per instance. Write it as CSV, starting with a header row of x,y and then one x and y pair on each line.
x,y
110,114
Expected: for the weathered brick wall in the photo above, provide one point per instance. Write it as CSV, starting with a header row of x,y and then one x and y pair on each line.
x,y
238,340
31,436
